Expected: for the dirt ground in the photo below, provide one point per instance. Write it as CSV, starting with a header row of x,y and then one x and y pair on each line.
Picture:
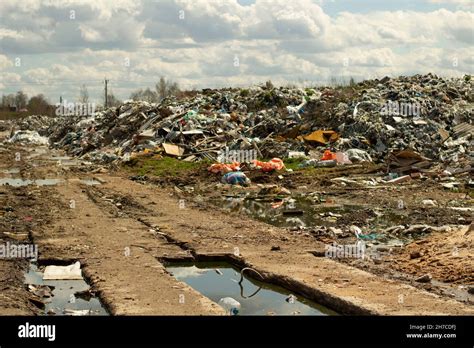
x,y
122,230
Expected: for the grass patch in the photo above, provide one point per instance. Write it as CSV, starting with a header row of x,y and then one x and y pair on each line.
x,y
164,166
293,163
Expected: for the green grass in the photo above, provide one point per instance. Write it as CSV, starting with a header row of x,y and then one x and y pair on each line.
x,y
292,163
166,166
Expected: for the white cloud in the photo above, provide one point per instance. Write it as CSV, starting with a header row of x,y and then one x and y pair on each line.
x,y
196,42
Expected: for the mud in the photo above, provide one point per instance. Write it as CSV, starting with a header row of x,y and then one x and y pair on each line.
x,y
122,232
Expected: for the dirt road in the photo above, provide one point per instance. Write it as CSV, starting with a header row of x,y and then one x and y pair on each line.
x,y
121,231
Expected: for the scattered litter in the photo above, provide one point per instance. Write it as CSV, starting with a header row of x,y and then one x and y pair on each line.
x,y
28,137
76,312
222,168
63,272
231,305
273,164
235,178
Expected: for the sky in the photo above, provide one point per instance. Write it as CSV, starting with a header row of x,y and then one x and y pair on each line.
x,y
54,47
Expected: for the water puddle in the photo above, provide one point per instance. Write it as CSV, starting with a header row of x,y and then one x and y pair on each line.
x,y
62,297
306,211
288,212
47,182
220,280
15,182
11,171
65,161
91,182
26,182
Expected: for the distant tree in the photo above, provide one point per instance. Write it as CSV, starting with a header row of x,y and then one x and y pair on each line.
x,y
161,88
83,95
149,96
8,100
166,88
146,95
38,104
21,99
112,100
173,88
136,95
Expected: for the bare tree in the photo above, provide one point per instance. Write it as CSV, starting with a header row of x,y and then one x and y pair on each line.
x,y
166,88
112,100
161,88
83,95
8,100
146,95
21,99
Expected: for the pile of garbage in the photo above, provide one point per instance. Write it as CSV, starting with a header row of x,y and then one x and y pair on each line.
x,y
369,121
427,114
28,137
196,127
38,123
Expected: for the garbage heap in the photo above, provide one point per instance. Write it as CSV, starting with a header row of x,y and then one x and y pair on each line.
x,y
371,120
425,113
196,127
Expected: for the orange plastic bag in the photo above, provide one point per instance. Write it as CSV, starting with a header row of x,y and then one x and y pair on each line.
x,y
273,164
328,155
223,168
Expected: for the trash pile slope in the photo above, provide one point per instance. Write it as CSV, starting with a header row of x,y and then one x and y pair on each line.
x,y
429,115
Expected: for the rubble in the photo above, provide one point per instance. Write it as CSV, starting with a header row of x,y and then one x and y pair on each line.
x,y
424,278
414,122
28,137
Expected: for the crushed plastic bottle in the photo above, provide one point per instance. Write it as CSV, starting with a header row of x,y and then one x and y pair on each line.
x,y
231,305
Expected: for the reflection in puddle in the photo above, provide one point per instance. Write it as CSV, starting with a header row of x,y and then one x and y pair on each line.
x,y
220,280
306,211
65,299
288,212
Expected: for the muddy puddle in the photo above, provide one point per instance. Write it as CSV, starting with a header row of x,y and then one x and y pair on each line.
x,y
220,280
25,182
65,161
62,297
42,155
90,182
305,211
11,171
18,182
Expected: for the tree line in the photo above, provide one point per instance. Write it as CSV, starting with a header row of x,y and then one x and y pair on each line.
x,y
39,104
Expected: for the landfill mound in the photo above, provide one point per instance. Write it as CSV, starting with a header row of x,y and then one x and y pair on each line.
x,y
375,119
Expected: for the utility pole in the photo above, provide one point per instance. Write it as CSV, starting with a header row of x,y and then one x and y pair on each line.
x,y
105,106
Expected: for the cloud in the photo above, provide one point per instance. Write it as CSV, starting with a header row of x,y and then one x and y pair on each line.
x,y
64,44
